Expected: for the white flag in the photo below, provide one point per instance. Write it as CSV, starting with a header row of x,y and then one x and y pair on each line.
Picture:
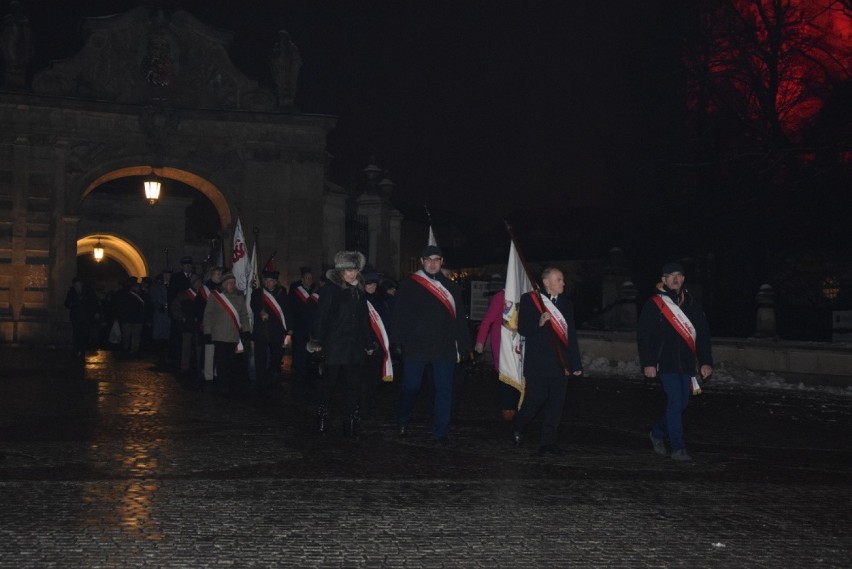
x,y
431,240
240,261
511,343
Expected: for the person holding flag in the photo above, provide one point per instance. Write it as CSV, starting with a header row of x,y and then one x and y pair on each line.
x,y
430,328
226,321
272,328
551,356
674,340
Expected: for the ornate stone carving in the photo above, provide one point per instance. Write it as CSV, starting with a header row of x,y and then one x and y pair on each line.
x,y
150,54
16,45
285,63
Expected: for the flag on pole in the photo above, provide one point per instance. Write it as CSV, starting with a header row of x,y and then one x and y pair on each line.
x,y
431,240
511,364
251,277
239,260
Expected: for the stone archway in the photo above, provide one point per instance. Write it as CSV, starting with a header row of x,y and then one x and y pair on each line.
x,y
206,187
117,248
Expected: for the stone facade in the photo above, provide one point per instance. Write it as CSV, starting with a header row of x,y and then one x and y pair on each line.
x,y
151,92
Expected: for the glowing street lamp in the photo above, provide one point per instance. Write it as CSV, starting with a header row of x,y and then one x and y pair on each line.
x,y
98,251
152,190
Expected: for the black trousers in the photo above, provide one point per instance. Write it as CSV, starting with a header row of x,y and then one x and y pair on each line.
x,y
352,375
267,361
543,393
223,361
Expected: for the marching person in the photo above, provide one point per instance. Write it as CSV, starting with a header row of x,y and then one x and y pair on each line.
x,y
226,322
272,328
303,306
186,311
551,356
674,340
492,324
82,304
430,328
342,333
213,278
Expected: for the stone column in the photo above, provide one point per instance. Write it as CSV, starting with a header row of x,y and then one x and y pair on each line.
x,y
765,325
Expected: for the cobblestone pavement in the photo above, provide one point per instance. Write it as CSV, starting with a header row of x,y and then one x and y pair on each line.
x,y
118,463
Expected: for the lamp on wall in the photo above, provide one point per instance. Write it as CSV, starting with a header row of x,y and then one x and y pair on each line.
x,y
98,251
152,189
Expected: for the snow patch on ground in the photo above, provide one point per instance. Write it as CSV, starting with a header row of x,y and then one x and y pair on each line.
x,y
594,365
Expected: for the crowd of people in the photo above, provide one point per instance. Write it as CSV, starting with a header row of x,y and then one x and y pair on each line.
x,y
351,328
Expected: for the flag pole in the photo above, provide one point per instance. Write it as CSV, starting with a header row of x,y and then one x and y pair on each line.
x,y
554,343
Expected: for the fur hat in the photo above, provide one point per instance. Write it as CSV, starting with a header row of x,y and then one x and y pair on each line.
x,y
349,260
670,268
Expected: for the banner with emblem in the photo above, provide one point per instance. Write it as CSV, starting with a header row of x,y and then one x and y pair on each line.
x,y
511,363
239,258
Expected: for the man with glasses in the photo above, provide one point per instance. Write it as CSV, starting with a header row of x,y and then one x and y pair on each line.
x,y
430,328
674,345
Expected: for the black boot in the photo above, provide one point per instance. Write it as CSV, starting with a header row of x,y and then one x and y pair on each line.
x,y
322,419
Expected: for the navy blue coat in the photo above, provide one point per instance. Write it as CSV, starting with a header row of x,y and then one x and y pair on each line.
x,y
540,342
662,347
423,327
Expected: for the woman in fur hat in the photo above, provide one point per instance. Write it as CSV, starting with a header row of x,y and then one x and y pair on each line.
x,y
343,335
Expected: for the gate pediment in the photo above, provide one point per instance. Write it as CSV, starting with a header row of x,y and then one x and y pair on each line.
x,y
149,53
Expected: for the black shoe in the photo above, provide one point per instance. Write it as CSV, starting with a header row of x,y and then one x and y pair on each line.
x,y
401,431
517,438
555,450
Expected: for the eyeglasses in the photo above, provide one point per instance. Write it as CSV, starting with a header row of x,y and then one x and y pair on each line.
x,y
432,259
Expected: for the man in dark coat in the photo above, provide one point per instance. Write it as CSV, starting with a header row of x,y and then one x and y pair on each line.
x,y
187,313
429,326
82,304
130,309
342,333
674,340
272,326
303,305
551,357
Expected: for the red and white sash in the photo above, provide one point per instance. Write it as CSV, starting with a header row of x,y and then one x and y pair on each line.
x,y
315,296
272,304
557,321
190,294
204,292
438,290
379,329
303,294
232,312
675,316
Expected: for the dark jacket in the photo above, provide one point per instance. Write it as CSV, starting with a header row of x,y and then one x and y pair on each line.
x,y
82,306
271,330
187,312
662,347
303,310
424,328
129,306
342,323
540,342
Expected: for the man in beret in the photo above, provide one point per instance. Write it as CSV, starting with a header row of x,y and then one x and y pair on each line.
x,y
273,324
429,326
674,346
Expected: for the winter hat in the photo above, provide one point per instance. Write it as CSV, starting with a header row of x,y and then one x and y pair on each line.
x,y
370,277
670,268
431,250
349,260
227,276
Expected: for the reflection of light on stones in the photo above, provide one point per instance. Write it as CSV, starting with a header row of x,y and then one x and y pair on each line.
x,y
128,505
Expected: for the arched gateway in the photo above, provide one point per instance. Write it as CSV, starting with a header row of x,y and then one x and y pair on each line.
x,y
151,91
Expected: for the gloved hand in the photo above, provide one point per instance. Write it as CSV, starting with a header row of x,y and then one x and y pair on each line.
x,y
313,347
